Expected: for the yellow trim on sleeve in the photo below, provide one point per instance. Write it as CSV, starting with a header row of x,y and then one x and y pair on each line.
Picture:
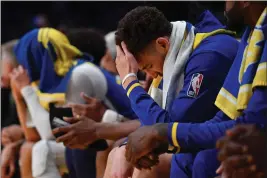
x,y
174,131
172,148
132,87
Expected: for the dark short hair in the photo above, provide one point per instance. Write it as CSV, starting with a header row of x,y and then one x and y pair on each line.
x,y
88,41
139,27
196,8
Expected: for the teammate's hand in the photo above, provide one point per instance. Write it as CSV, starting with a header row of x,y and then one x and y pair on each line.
x,y
146,140
11,134
20,78
93,108
125,63
79,134
8,161
243,152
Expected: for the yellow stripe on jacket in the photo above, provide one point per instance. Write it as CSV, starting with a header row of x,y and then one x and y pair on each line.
x,y
46,98
252,59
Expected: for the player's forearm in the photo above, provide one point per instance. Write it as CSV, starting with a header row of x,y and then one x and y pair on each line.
x,y
192,137
30,133
147,110
115,131
39,115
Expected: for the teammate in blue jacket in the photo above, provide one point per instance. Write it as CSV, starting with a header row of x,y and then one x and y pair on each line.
x,y
242,99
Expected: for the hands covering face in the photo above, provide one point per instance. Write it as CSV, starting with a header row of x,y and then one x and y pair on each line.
x,y
125,63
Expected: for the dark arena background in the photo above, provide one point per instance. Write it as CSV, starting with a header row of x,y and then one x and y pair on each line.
x,y
104,89
20,17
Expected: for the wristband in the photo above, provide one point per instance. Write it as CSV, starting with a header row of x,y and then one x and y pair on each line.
x,y
127,76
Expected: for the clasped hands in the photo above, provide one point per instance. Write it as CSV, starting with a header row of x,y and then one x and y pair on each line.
x,y
145,145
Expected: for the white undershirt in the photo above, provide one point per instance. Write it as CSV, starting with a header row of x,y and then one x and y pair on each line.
x,y
39,116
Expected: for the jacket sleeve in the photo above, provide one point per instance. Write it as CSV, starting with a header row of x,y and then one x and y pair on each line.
x,y
211,66
190,137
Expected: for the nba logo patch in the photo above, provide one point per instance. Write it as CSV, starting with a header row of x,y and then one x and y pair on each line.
x,y
195,85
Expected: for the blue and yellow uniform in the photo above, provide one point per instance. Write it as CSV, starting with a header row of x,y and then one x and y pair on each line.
x,y
242,99
210,60
49,59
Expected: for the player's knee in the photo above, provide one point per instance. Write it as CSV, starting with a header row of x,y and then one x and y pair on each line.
x,y
25,159
40,158
205,164
182,161
200,162
5,131
112,153
26,150
109,163
101,160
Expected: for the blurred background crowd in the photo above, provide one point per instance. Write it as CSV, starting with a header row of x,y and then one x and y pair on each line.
x,y
21,17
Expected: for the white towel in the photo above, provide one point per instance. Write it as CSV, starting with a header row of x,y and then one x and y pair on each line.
x,y
181,45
